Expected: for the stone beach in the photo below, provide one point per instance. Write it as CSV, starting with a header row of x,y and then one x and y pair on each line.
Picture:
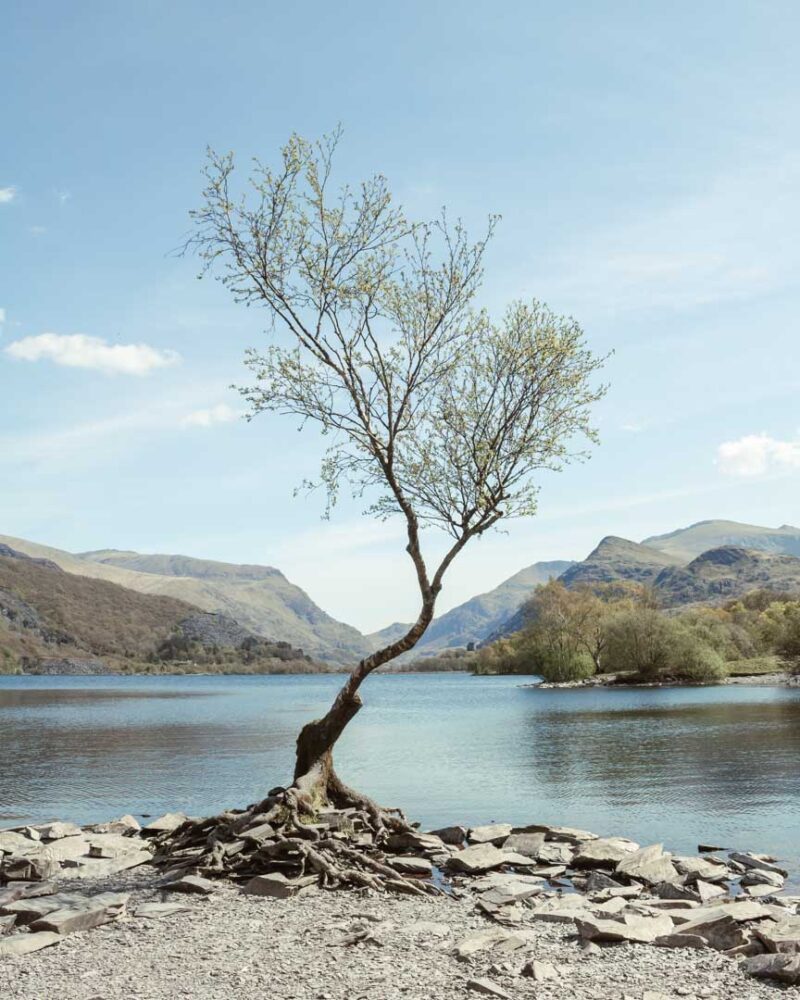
x,y
535,911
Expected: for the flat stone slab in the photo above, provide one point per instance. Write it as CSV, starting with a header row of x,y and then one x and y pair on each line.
x,y
58,830
781,968
783,937
32,869
634,928
756,861
24,944
528,844
277,885
567,833
166,823
92,912
495,833
603,852
101,867
649,865
476,859
487,988
154,911
411,866
194,884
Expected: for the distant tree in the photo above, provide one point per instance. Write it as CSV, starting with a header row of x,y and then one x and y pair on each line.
x,y
434,411
577,618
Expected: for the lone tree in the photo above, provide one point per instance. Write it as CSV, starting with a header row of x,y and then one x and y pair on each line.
x,y
435,412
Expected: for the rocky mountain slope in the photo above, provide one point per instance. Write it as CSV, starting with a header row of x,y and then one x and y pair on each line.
x,y
727,572
619,559
258,597
52,621
475,619
687,543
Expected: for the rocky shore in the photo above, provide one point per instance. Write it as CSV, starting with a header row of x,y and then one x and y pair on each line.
x,y
621,680
527,912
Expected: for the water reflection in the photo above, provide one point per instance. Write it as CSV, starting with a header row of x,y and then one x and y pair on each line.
x,y
678,765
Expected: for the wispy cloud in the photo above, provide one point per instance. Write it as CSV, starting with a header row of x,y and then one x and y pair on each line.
x,y
81,351
2,316
220,414
7,194
757,455
732,241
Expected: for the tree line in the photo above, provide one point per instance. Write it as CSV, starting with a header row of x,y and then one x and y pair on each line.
x,y
573,634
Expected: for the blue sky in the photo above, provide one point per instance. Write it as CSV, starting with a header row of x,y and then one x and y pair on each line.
x,y
646,161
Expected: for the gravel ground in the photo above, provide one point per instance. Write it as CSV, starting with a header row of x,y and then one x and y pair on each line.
x,y
230,945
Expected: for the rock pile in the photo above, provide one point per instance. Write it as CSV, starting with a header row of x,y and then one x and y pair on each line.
x,y
604,891
614,891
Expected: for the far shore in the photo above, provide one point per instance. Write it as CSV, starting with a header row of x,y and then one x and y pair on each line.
x,y
780,679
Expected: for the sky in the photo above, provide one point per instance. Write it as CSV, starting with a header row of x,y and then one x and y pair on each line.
x,y
645,159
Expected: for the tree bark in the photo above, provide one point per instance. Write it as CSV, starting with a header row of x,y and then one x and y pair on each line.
x,y
315,780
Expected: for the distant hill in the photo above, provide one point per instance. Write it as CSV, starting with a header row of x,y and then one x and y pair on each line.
x,y
258,597
727,572
619,559
52,621
712,576
686,543
475,619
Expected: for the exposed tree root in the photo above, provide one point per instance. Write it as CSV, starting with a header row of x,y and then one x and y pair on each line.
x,y
317,826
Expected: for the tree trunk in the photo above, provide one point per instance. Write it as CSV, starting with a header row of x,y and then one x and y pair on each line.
x,y
315,780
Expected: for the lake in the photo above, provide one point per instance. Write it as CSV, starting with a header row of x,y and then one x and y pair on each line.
x,y
717,765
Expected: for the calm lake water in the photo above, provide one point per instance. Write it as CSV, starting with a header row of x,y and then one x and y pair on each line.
x,y
678,765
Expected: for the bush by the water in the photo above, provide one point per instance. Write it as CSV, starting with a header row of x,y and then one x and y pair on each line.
x,y
618,628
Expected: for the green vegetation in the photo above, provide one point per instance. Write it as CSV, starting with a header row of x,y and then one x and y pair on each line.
x,y
571,635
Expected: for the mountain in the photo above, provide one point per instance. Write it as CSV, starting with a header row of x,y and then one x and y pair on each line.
x,y
619,559
475,619
258,597
727,572
687,543
57,622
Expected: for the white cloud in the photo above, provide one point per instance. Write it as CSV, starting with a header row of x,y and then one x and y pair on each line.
x,y
757,454
220,414
81,351
7,194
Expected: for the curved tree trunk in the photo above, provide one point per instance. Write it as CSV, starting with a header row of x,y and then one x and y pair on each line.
x,y
315,780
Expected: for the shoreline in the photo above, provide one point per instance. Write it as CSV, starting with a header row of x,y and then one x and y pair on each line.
x,y
538,911
780,679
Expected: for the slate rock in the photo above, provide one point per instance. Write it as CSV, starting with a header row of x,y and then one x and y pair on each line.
x,y
540,971
649,865
756,861
58,830
527,844
277,885
410,865
454,835
632,928
24,944
603,852
476,859
495,833
33,869
194,884
781,968
101,867
487,988
93,912
782,937
154,911
167,823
